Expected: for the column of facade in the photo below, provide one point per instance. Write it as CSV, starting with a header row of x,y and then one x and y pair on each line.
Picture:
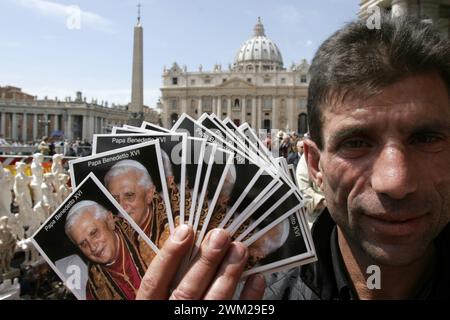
x,y
229,115
35,127
56,122
259,112
14,126
243,111
103,125
24,128
200,107
254,113
274,113
46,124
68,130
85,127
95,130
219,107
91,127
183,105
3,123
291,117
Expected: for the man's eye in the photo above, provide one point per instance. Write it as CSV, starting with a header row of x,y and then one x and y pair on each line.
x,y
355,144
129,196
429,142
426,139
94,233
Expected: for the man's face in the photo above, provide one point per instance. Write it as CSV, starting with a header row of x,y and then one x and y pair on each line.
x,y
95,237
386,169
300,147
133,198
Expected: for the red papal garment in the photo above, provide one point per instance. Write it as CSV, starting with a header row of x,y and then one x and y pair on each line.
x,y
121,280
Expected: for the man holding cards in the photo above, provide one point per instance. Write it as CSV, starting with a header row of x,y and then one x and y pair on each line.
x,y
115,265
130,184
379,118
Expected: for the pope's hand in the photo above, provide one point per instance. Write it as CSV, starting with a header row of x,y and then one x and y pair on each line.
x,y
214,274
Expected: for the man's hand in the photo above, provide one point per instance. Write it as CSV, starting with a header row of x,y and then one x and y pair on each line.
x,y
214,274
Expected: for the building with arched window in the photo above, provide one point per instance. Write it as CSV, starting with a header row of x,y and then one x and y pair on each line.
x,y
256,88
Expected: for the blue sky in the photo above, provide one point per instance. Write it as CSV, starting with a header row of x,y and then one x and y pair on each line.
x,y
41,54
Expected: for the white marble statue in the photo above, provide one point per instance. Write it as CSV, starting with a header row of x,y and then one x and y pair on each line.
x,y
6,185
64,190
49,179
40,212
25,211
35,223
37,176
21,184
7,246
57,166
49,200
16,225
31,254
57,169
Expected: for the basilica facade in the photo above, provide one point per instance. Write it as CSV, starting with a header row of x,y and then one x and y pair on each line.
x,y
257,88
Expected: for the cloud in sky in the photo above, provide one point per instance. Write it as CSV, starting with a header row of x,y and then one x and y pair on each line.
x,y
54,9
308,43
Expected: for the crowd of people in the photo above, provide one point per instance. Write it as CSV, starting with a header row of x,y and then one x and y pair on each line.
x,y
291,146
48,146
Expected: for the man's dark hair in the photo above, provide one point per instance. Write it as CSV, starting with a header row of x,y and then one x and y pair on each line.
x,y
359,62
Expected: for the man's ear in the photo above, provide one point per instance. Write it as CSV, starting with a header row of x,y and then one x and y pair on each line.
x,y
312,154
150,193
110,220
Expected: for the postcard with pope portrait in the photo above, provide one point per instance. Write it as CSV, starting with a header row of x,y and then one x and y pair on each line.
x,y
136,178
94,246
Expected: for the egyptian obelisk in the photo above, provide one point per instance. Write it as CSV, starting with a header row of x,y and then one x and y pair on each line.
x,y
137,82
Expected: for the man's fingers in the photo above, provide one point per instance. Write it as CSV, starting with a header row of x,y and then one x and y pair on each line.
x,y
224,285
254,288
202,271
157,280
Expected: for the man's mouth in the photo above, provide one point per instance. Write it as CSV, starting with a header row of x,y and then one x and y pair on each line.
x,y
397,225
99,253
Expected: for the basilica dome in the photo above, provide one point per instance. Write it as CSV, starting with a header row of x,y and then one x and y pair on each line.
x,y
258,53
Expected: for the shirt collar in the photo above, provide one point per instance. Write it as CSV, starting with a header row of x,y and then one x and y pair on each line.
x,y
345,288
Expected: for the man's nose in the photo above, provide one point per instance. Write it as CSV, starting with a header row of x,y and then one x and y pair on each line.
x,y
393,173
92,246
124,204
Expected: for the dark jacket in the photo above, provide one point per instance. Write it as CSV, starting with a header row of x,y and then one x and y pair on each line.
x,y
293,158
